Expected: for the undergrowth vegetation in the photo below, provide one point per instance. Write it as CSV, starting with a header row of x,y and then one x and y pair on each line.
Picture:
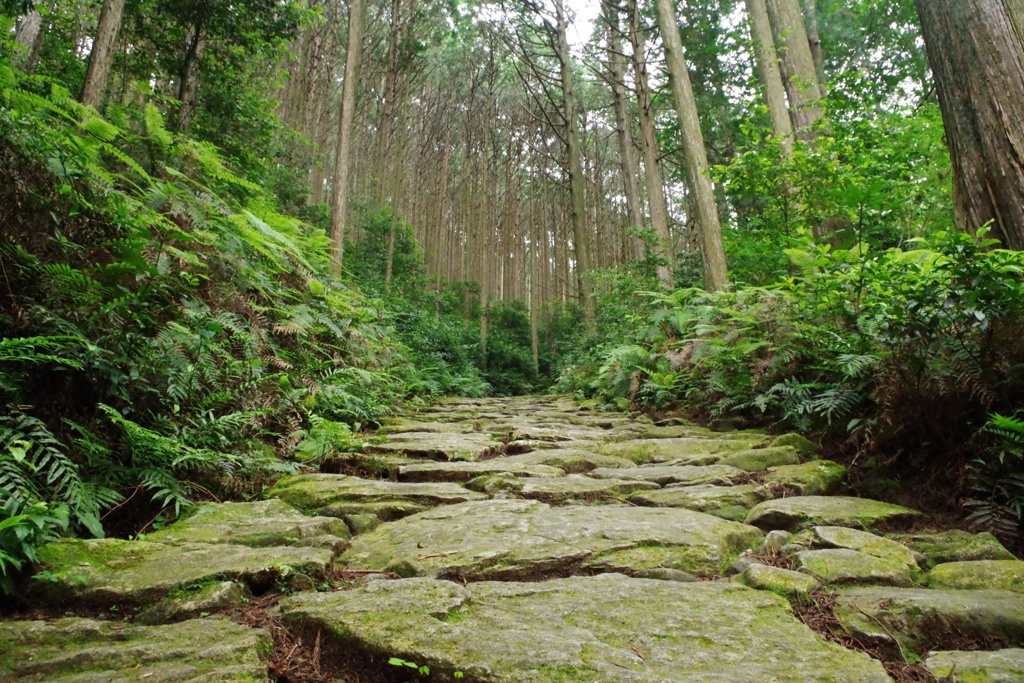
x,y
892,336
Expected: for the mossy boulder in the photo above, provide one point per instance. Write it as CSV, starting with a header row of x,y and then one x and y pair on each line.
x,y
777,580
559,490
464,471
799,512
569,460
954,546
608,628
803,447
87,650
814,478
842,566
996,666
258,524
520,539
979,574
187,604
664,475
469,447
315,492
862,541
760,459
113,571
646,451
702,497
919,617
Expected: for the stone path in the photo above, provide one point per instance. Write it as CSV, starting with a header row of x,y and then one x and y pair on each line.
x,y
515,540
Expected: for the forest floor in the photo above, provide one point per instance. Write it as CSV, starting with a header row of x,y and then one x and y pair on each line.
x,y
529,539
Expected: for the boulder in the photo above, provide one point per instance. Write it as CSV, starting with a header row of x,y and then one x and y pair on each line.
x,y
608,628
672,474
258,524
799,512
702,498
468,447
88,650
781,581
337,492
850,567
760,459
954,546
113,571
464,471
918,617
854,539
979,574
996,666
814,478
520,539
559,490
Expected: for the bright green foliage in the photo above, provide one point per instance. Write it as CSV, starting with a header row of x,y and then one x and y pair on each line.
x,y
906,351
164,324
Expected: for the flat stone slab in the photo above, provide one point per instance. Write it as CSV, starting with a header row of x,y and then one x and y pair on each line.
x,y
777,580
464,471
398,425
645,451
916,615
469,447
521,539
702,498
980,574
842,566
569,460
815,478
113,571
862,541
86,650
996,666
760,459
799,512
332,492
559,490
608,628
672,474
258,524
954,546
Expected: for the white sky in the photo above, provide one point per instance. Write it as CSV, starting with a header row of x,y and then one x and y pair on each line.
x,y
585,12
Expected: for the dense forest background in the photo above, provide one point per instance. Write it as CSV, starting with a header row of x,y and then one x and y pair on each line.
x,y
237,235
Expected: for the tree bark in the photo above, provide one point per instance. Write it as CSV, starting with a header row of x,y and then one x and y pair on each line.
x,y
703,194
102,56
976,51
771,78
798,70
30,37
814,40
577,183
617,74
342,162
656,199
189,88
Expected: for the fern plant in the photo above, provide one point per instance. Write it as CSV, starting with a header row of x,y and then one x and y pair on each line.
x,y
996,481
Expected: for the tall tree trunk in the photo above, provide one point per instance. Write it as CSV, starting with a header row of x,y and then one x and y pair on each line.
x,y
703,194
102,56
342,156
771,78
814,39
798,70
657,202
577,183
189,88
976,51
617,74
30,37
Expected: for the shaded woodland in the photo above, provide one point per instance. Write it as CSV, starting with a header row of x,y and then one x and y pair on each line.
x,y
235,236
